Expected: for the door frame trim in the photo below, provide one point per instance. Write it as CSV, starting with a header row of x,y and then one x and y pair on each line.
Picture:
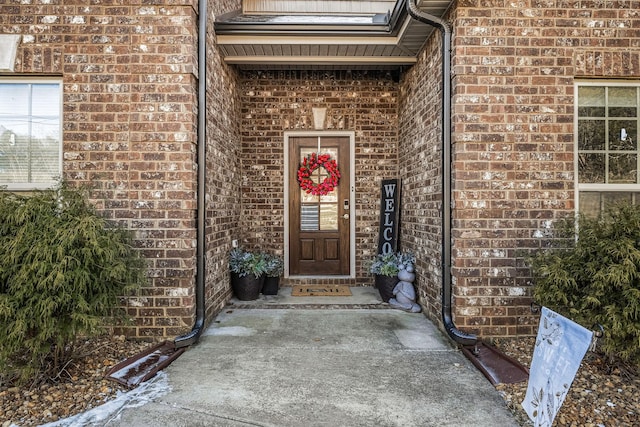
x,y
352,198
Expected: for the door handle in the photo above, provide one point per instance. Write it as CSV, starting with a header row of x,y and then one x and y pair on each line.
x,y
345,216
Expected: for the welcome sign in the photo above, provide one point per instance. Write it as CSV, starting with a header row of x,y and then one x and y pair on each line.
x,y
560,346
389,216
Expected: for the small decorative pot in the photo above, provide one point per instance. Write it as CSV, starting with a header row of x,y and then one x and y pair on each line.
x,y
385,285
270,286
246,288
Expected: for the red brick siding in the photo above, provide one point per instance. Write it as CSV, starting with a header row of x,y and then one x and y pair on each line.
x,y
514,65
220,7
607,62
129,72
223,168
129,128
419,136
275,102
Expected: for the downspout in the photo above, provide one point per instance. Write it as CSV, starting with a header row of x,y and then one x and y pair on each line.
x,y
192,337
458,336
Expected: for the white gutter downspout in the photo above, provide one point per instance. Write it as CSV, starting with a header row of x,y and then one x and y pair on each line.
x,y
461,338
192,337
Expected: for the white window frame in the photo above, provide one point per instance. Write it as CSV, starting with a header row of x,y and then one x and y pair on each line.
x,y
600,187
26,186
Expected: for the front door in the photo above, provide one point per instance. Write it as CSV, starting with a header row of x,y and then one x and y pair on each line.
x,y
319,225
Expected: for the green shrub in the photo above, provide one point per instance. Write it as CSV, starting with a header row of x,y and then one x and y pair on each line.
x,y
62,270
595,279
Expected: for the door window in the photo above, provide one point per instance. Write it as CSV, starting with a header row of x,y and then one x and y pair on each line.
x,y
319,212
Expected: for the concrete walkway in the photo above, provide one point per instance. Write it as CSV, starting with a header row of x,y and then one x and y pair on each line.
x,y
351,363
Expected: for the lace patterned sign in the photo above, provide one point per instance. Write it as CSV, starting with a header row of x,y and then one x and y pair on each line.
x,y
560,346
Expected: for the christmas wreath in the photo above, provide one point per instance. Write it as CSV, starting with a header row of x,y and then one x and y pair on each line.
x,y
310,164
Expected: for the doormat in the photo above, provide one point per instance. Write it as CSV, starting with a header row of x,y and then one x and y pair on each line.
x,y
321,291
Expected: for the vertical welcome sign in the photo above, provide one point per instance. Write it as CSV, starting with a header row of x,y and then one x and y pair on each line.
x,y
389,216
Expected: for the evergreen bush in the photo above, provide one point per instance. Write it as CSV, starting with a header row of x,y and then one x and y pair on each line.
x,y
594,277
62,271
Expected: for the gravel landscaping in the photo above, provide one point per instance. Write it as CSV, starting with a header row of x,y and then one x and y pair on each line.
x,y
601,395
78,387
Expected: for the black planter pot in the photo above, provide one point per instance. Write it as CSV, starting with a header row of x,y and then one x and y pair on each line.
x,y
270,286
246,288
385,286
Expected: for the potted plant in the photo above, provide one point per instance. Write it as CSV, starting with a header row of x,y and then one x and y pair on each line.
x,y
387,267
273,270
247,273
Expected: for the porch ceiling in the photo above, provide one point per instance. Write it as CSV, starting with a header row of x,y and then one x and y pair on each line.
x,y
324,34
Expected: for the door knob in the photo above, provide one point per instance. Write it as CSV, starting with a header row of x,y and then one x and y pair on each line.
x,y
345,216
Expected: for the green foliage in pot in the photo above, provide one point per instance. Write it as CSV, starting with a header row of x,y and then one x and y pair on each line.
x,y
63,269
595,279
391,263
274,265
244,262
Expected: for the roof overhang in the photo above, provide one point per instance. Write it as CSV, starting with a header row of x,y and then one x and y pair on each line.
x,y
325,39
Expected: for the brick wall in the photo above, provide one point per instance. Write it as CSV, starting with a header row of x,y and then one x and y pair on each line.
x,y
130,103
419,136
514,65
129,128
223,167
275,102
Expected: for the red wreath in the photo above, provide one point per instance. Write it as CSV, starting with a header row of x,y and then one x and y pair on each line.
x,y
310,164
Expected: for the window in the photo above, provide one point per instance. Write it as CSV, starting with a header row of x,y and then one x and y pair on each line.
x,y
607,120
30,133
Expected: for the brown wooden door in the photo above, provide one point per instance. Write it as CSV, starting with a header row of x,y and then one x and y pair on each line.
x,y
319,224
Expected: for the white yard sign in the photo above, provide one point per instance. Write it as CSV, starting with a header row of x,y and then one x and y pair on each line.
x,y
560,346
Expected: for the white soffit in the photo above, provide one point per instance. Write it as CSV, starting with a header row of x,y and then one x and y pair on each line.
x,y
329,33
